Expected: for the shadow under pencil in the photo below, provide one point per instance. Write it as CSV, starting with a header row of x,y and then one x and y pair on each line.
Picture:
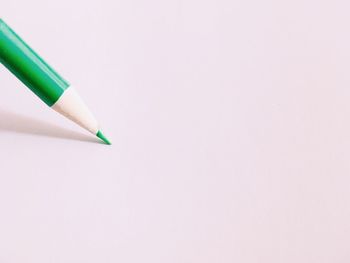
x,y
18,123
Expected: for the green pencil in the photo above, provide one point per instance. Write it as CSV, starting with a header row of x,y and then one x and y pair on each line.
x,y
45,82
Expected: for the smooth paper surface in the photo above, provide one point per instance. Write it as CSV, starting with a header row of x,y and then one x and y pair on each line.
x,y
230,130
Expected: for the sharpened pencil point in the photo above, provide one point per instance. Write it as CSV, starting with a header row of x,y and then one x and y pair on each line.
x,y
103,138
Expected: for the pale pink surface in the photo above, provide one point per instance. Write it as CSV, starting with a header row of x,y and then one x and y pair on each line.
x,y
230,130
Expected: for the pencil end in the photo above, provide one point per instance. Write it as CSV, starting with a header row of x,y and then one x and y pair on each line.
x,y
100,135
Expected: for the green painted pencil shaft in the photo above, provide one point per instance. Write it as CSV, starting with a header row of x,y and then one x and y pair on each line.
x,y
29,67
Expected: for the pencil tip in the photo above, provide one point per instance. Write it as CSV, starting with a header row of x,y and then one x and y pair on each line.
x,y
100,135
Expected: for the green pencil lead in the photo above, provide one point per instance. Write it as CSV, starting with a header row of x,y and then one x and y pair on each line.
x,y
103,138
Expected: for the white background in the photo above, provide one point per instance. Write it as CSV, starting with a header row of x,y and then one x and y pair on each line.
x,y
230,130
